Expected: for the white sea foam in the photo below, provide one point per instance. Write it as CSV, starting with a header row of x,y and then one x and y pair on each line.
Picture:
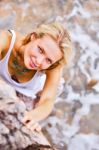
x,y
84,142
96,87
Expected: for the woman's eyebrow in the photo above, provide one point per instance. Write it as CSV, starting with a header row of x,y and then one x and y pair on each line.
x,y
46,53
42,49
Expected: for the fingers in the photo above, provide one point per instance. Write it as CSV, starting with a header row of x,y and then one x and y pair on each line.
x,y
26,118
30,124
36,127
33,126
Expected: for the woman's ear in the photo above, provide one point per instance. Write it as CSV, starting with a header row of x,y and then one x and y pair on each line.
x,y
33,36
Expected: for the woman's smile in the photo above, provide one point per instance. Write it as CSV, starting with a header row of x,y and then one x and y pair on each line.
x,y
32,64
41,53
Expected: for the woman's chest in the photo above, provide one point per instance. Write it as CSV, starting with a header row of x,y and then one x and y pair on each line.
x,y
17,70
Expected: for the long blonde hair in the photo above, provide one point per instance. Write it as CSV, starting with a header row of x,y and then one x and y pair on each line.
x,y
59,34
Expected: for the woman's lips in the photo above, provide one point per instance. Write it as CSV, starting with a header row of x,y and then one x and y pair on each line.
x,y
32,64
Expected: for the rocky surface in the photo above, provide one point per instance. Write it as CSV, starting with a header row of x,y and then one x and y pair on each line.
x,y
13,134
73,124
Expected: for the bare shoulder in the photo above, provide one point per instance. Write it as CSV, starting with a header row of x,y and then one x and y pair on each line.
x,y
56,72
5,38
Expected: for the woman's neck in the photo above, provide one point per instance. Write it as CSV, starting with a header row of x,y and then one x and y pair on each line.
x,y
18,69
16,62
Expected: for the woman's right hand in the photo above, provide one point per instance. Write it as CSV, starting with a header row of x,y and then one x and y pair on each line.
x,y
29,122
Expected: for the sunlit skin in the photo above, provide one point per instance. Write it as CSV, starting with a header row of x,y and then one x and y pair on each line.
x,y
38,54
41,53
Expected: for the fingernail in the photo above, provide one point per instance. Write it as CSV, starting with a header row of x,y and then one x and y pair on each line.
x,y
27,121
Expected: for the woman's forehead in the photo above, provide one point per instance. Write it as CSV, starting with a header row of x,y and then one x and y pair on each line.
x,y
49,43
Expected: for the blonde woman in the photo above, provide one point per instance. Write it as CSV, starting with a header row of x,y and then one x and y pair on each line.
x,y
34,63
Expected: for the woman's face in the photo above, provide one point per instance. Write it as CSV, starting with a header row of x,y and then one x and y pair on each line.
x,y
41,53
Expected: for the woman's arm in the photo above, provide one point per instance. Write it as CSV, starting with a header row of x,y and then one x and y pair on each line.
x,y
46,102
52,82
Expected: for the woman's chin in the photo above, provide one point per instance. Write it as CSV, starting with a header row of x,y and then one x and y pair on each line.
x,y
27,65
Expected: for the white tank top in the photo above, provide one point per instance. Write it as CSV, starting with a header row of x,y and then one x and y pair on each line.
x,y
30,88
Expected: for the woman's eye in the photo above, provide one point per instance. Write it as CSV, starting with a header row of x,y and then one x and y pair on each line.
x,y
40,50
48,61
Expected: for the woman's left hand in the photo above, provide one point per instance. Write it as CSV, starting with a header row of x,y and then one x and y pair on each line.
x,y
29,122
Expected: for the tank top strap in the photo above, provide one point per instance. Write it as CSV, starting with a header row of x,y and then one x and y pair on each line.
x,y
11,45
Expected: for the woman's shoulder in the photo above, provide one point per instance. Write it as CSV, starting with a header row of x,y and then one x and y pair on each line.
x,y
5,38
54,75
54,71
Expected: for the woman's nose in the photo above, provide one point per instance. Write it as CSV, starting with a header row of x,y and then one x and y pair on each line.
x,y
40,60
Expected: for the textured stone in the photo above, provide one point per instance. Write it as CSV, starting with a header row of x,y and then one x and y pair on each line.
x,y
13,134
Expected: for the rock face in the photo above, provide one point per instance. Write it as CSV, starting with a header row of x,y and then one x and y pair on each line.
x,y
13,134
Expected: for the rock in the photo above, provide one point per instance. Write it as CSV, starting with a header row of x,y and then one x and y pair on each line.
x,y
13,134
88,123
91,84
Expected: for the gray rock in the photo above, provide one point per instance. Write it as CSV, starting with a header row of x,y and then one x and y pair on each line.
x,y
13,134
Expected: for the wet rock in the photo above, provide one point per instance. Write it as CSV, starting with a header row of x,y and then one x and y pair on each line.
x,y
77,84
72,112
91,83
88,124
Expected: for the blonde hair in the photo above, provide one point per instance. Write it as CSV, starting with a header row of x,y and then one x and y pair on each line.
x,y
59,34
